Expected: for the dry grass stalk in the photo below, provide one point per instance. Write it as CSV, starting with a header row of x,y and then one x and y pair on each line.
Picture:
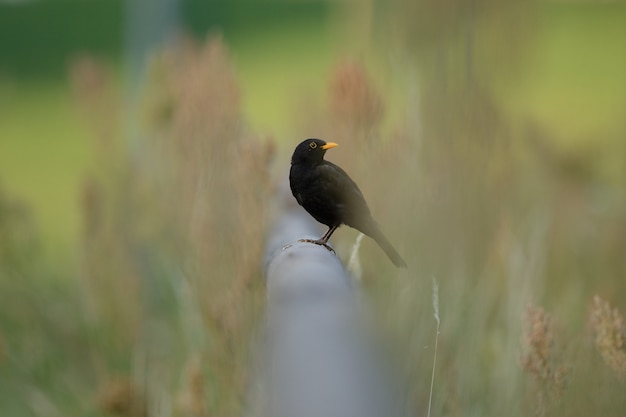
x,y
220,182
93,88
192,398
120,397
356,110
610,335
217,185
539,359
436,315
220,176
353,97
191,198
110,281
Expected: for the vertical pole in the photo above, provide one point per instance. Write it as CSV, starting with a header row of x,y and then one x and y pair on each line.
x,y
149,25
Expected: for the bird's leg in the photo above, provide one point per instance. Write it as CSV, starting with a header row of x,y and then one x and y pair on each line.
x,y
324,239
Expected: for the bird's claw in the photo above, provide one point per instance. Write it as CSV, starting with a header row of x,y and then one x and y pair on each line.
x,y
318,242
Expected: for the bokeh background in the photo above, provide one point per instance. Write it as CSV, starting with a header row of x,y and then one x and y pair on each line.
x,y
143,145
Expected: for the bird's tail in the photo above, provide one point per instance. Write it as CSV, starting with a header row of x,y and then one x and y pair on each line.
x,y
374,232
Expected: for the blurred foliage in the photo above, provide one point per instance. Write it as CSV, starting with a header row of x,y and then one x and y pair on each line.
x,y
487,138
182,227
38,38
171,251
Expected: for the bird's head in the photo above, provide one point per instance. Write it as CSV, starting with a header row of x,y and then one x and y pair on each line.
x,y
311,150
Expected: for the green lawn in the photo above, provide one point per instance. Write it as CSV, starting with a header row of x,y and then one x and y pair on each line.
x,y
574,83
44,155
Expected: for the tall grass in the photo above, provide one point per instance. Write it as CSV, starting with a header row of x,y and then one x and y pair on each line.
x,y
500,213
187,214
160,315
166,298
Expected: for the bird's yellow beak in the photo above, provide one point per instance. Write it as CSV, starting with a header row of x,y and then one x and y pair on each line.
x,y
329,145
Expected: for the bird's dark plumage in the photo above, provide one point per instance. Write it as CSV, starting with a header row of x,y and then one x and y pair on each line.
x,y
329,195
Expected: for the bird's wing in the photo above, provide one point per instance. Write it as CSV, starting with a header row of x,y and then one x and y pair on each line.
x,y
343,191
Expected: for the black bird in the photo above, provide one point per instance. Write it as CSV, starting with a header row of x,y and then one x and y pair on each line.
x,y
329,195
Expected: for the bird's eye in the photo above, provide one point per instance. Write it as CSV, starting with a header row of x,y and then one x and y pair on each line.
x,y
313,145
